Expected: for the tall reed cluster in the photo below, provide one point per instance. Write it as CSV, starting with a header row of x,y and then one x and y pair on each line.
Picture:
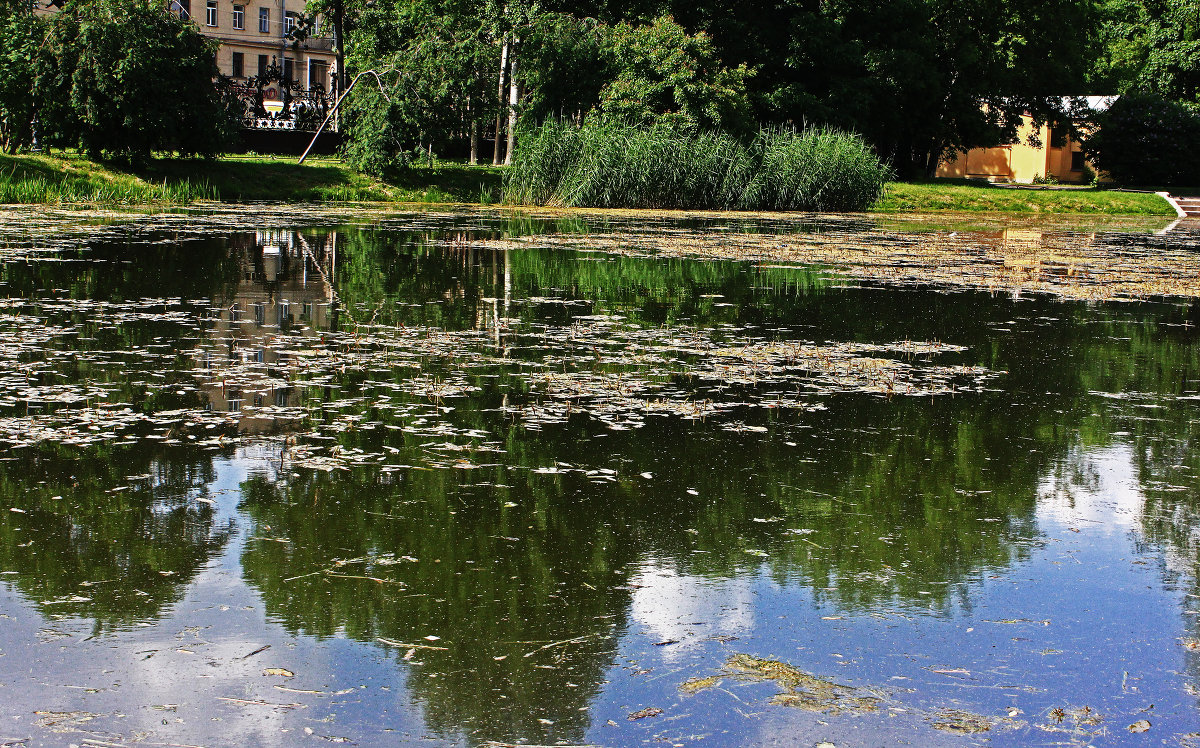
x,y
608,165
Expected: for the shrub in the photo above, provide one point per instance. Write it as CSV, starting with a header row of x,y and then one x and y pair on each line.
x,y
611,165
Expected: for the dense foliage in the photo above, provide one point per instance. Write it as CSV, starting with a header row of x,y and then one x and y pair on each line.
x,y
1144,139
917,78
605,165
1149,46
124,78
21,38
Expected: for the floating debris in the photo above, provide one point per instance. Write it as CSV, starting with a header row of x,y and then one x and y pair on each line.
x,y
650,711
804,690
695,685
960,722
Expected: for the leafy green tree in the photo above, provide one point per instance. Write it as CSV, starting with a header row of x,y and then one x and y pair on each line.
x,y
567,64
21,37
665,75
127,78
432,57
1150,45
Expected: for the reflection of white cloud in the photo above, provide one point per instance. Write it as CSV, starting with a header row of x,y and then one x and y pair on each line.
x,y
686,608
1098,487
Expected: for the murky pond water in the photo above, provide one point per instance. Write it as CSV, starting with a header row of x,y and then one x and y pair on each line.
x,y
477,479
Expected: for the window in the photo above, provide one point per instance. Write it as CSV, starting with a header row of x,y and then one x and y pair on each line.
x,y
289,23
318,75
264,21
239,16
262,66
183,8
210,13
239,65
289,70
1077,162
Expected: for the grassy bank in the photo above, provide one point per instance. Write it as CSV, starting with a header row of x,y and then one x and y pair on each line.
x,y
936,197
72,179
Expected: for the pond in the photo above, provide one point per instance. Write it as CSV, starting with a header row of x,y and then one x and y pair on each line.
x,y
276,477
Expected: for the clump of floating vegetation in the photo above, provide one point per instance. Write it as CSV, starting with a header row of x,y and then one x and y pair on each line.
x,y
804,690
611,165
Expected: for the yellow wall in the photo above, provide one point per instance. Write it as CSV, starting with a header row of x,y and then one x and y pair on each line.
x,y
1019,162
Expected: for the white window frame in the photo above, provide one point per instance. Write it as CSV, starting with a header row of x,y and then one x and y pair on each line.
x,y
210,13
289,23
264,20
239,17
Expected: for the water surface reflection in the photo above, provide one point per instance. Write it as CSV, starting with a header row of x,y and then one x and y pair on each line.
x,y
401,482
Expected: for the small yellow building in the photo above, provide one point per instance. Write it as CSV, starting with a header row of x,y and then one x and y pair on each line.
x,y
1022,162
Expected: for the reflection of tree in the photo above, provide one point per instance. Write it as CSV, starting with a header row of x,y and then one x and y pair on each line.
x,y
487,557
380,269
494,582
107,270
109,534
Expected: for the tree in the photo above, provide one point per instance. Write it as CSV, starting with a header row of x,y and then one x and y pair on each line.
x,y
125,78
1150,45
437,52
1143,138
917,78
21,36
665,75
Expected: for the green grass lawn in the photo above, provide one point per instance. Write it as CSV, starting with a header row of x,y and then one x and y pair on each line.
x,y
927,197
73,179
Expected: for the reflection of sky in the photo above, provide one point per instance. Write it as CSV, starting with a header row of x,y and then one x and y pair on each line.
x,y
1085,621
171,680
680,607
1097,486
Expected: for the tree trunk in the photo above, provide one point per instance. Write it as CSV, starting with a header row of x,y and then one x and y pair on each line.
x,y
339,20
474,134
514,95
500,104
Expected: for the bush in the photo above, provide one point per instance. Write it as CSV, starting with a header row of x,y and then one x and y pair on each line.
x,y
609,165
1144,139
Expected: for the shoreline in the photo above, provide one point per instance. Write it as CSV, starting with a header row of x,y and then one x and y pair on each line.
x,y
65,180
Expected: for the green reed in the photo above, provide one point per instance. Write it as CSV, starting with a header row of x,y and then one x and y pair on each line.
x,y
607,165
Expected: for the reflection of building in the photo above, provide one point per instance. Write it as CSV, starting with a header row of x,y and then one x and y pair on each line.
x,y
283,289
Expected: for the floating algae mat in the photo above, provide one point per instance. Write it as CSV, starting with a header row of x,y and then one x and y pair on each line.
x,y
280,474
